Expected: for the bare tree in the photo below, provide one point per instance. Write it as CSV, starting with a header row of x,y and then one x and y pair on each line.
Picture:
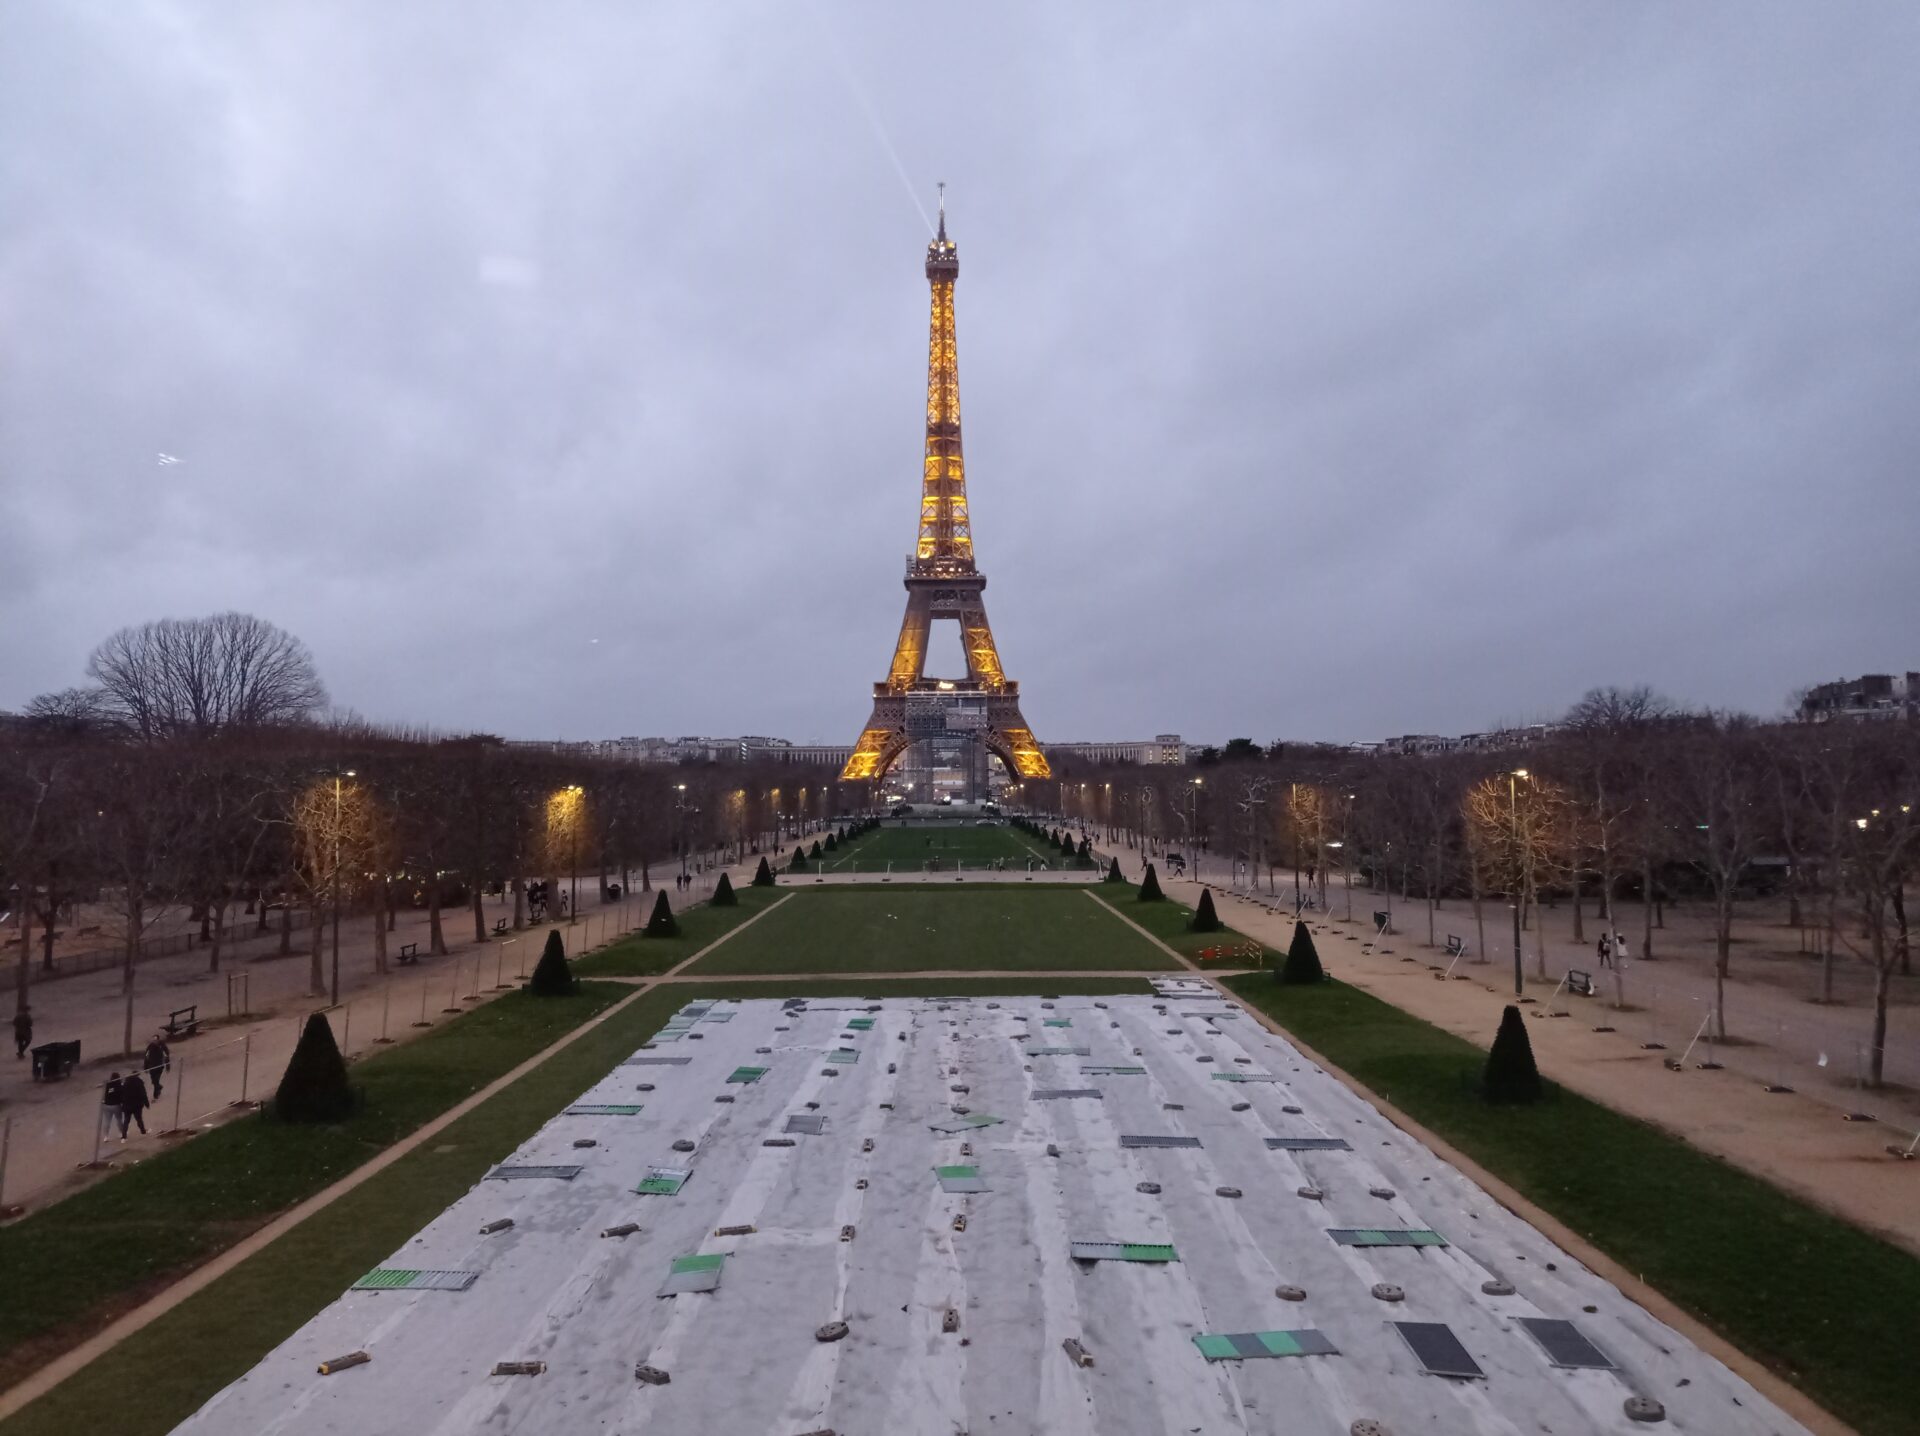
x,y
205,675
1720,791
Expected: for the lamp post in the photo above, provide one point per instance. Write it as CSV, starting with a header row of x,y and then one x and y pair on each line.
x,y
1513,819
335,995
681,809
575,795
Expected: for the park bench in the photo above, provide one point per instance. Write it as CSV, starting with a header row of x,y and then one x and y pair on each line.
x,y
1455,947
409,952
1579,983
88,932
54,1060
183,1021
500,926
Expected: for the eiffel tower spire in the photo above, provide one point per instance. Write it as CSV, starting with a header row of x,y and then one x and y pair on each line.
x,y
942,582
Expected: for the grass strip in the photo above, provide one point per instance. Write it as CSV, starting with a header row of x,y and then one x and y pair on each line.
x,y
76,1265
919,927
1167,920
1812,1298
641,956
182,1359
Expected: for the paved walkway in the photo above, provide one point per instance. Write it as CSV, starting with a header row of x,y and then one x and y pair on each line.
x,y
1798,1140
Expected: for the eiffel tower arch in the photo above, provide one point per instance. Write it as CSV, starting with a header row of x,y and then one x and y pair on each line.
x,y
944,585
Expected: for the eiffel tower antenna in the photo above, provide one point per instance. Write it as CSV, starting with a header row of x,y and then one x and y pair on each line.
x,y
942,583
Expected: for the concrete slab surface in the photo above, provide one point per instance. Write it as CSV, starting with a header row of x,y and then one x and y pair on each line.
x,y
959,1305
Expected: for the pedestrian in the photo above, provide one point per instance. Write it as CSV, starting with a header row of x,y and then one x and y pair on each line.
x,y
157,1059
1604,948
109,1104
1619,950
22,1030
133,1103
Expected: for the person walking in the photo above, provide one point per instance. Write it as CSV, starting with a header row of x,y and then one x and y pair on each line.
x,y
22,1030
109,1104
1619,950
157,1059
133,1104
1604,949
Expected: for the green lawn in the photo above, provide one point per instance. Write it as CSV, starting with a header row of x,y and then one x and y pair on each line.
x,y
72,1265
910,849
161,1374
920,928
1167,920
638,956
1816,1300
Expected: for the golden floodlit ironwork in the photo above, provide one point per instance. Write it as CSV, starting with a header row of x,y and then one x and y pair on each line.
x,y
942,583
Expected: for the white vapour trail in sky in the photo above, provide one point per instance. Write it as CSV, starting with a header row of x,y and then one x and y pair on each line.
x,y
867,108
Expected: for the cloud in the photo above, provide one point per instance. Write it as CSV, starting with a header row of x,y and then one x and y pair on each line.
x,y
1328,372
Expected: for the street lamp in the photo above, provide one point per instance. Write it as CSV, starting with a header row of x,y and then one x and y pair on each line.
x,y
1514,780
574,795
336,884
682,808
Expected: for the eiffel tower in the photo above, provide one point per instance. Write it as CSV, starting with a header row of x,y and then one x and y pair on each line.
x,y
943,583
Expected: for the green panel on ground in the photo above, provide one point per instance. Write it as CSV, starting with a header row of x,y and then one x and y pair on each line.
x,y
747,1074
860,1024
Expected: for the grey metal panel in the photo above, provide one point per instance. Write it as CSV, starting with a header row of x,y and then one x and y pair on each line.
x,y
1437,1348
508,1174
1049,1093
1059,1052
812,1124
971,1122
1308,1144
656,1062
1564,1344
1135,1141
443,1281
964,1184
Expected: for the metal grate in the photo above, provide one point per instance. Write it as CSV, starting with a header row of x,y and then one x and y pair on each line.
x,y
1308,1144
1049,1093
510,1174
1057,1022
604,1109
663,1181
960,1179
1244,1077
1122,1251
388,1278
1133,1141
1564,1344
656,1062
747,1074
811,1124
693,1273
843,1056
1438,1349
860,1024
1247,1345
1059,1052
965,1124
1094,1071
1385,1237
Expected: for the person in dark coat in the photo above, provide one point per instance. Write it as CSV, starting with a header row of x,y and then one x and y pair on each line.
x,y
110,1104
22,1030
133,1104
157,1059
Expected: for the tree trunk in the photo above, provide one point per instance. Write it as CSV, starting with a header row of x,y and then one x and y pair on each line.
x,y
479,915
23,975
317,969
1722,956
219,932
1479,914
1826,952
1902,945
1579,922
1646,910
519,886
130,953
380,934
436,937
1877,1051
286,928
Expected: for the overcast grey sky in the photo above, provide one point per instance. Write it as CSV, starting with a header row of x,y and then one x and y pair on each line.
x,y
1329,370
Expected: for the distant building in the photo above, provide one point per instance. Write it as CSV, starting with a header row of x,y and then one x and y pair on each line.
x,y
1872,695
1161,748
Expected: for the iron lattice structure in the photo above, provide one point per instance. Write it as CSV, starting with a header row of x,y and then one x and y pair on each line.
x,y
942,583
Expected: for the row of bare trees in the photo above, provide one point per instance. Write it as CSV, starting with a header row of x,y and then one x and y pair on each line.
x,y
196,783
1628,797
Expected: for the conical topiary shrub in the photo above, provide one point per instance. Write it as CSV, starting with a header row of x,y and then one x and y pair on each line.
x,y
833,843
1204,918
1085,854
1114,875
315,1087
763,875
1511,1075
1150,887
816,849
798,863
661,924
723,893
551,975
1303,959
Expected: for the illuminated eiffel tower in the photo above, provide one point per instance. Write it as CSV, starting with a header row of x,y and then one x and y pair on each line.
x,y
943,583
